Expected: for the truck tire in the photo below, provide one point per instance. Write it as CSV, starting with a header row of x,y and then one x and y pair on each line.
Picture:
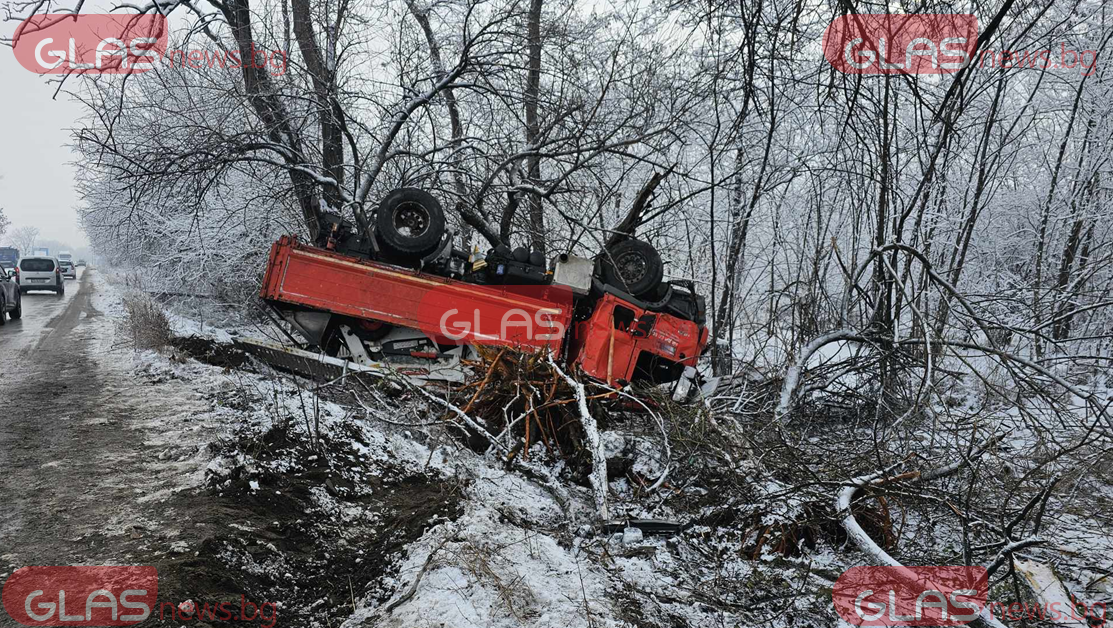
x,y
3,319
410,222
17,313
633,266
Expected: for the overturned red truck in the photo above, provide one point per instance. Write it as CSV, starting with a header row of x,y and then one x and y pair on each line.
x,y
399,295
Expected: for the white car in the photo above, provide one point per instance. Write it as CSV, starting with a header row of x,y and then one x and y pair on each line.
x,y
69,271
40,273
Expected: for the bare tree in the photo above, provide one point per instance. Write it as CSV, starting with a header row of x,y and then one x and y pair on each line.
x,y
24,238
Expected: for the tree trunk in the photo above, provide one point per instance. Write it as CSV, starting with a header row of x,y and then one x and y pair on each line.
x,y
1077,248
329,112
272,113
455,125
533,126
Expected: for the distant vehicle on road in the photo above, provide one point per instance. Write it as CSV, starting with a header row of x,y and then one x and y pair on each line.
x,y
80,263
41,252
65,256
40,273
9,256
11,298
69,271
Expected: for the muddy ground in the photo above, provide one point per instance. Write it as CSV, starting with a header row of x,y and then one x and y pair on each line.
x,y
88,478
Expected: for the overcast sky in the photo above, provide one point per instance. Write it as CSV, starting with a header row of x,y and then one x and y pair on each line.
x,y
36,187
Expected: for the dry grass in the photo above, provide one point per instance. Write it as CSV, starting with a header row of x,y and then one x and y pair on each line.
x,y
145,323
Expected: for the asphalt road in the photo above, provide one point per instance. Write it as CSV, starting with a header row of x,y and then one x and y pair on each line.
x,y
81,462
39,311
51,453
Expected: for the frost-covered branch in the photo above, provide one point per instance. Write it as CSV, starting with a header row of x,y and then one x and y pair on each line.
x,y
594,443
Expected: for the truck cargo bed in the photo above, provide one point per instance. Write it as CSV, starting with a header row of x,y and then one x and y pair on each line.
x,y
447,310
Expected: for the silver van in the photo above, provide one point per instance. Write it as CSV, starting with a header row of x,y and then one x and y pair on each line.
x,y
40,273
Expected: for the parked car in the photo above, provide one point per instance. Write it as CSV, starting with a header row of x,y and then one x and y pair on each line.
x,y
69,271
40,273
11,298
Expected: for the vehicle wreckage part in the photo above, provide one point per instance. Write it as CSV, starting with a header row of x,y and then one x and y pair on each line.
x,y
355,346
410,221
574,272
315,365
634,266
506,267
685,304
312,325
322,367
649,527
685,385
622,341
405,350
613,339
710,386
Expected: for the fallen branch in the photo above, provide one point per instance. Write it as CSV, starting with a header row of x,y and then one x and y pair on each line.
x,y
869,546
792,375
412,589
665,446
633,219
1049,590
594,443
463,416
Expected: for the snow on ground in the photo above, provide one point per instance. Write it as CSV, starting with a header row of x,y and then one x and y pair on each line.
x,y
171,408
522,552
492,568
510,548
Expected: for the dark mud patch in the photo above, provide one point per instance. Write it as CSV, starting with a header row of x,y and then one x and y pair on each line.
x,y
210,352
308,531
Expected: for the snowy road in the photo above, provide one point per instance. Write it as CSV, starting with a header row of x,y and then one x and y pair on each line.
x,y
54,445
103,455
40,309
76,459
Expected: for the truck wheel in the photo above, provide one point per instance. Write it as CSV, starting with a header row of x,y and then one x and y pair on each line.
x,y
3,320
410,222
17,313
633,266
